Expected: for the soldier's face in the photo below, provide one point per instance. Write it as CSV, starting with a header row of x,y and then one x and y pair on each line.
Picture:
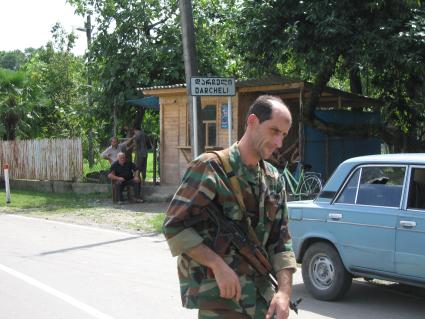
x,y
114,142
268,135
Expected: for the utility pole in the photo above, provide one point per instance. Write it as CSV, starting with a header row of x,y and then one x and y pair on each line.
x,y
88,28
191,69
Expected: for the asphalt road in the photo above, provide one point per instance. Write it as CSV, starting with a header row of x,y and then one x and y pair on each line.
x,y
56,270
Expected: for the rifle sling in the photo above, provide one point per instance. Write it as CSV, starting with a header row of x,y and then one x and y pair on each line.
x,y
224,157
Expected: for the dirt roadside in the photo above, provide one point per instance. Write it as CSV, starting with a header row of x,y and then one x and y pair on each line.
x,y
138,218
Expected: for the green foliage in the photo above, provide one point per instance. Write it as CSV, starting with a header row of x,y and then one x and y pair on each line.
x,y
12,108
136,44
12,60
399,73
46,98
377,45
53,202
155,223
213,19
10,78
370,47
58,92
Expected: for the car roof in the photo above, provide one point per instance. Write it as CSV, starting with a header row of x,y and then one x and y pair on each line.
x,y
405,158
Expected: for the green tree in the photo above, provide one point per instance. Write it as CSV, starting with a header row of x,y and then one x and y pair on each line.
x,y
56,84
133,46
12,84
12,60
377,43
138,44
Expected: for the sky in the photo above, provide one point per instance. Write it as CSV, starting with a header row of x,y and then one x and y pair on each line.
x,y
27,23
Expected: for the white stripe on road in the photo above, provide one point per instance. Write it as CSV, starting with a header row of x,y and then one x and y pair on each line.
x,y
72,301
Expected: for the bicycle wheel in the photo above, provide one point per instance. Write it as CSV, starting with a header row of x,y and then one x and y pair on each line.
x,y
310,187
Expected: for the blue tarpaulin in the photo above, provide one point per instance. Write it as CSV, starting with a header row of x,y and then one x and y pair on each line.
x,y
325,152
150,102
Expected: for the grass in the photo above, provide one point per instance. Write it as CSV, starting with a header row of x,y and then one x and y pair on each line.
x,y
103,165
156,222
99,165
24,199
90,209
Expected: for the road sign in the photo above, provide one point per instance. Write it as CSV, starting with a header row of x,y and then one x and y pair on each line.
x,y
212,86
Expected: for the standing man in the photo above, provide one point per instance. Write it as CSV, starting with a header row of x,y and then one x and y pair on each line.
x,y
226,286
141,151
124,173
112,151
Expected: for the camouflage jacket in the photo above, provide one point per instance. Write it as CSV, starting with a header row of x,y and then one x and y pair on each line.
x,y
264,197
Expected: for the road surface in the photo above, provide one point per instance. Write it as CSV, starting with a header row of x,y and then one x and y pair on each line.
x,y
57,270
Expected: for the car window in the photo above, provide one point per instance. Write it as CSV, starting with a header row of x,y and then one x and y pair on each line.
x,y
416,199
378,186
348,195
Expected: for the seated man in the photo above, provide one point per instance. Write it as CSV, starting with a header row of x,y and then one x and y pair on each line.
x,y
124,173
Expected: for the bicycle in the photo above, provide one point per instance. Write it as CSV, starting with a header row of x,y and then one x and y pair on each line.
x,y
302,185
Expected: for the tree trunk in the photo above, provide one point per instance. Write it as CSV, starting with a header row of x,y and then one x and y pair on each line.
x,y
319,85
355,81
115,120
10,123
310,118
140,114
89,94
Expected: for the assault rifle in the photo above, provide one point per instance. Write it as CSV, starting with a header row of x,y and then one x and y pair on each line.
x,y
228,231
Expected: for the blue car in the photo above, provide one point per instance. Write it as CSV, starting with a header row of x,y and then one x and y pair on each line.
x,y
368,221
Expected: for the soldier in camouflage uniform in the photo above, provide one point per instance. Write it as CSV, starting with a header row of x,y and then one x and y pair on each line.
x,y
226,286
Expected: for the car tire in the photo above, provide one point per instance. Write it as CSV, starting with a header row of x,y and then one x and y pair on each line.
x,y
324,274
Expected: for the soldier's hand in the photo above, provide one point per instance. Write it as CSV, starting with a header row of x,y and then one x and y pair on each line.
x,y
227,281
279,306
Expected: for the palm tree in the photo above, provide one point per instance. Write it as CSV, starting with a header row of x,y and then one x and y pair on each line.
x,y
12,84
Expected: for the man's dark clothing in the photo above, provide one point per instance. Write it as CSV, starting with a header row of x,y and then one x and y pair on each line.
x,y
141,152
127,172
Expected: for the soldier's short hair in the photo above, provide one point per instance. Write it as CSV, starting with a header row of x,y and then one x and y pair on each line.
x,y
262,107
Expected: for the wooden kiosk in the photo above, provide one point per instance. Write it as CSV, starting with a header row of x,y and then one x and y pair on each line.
x,y
175,150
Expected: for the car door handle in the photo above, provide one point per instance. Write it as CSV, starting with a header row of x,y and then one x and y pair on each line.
x,y
335,216
407,224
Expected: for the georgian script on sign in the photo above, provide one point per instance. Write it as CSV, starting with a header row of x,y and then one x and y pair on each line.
x,y
212,86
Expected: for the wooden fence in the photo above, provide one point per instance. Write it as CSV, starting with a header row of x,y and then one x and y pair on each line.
x,y
47,159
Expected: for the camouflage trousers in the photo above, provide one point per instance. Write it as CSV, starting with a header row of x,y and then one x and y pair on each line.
x,y
259,312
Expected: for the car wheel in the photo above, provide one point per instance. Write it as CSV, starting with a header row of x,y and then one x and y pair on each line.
x,y
324,274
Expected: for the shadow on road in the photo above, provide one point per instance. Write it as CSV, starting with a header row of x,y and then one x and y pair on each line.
x,y
59,251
